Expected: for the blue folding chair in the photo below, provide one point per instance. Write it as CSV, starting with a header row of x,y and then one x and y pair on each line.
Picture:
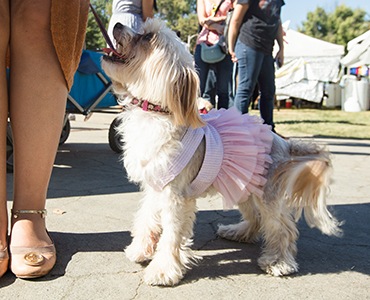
x,y
92,92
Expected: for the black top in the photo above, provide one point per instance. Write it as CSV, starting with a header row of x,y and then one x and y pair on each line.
x,y
260,24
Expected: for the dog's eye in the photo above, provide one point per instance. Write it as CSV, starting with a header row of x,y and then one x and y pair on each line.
x,y
148,36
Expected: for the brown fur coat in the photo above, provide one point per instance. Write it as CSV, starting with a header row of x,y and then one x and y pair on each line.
x,y
68,27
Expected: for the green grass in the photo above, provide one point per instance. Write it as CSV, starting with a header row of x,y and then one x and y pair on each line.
x,y
321,122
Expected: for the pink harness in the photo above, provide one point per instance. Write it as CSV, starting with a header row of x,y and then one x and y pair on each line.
x,y
211,163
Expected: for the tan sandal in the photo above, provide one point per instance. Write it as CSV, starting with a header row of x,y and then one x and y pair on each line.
x,y
4,261
31,262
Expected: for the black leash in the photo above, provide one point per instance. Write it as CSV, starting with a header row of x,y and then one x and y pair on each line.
x,y
103,31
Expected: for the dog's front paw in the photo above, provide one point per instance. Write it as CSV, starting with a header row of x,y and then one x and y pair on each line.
x,y
241,232
163,271
134,255
141,249
276,267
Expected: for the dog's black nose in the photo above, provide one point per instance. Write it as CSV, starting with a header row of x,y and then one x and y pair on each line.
x,y
117,31
118,26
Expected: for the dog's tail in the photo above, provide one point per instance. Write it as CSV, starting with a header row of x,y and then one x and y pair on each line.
x,y
304,181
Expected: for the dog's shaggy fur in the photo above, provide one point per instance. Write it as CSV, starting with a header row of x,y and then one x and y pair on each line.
x,y
155,66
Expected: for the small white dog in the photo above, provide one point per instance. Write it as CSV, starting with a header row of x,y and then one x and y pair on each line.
x,y
175,156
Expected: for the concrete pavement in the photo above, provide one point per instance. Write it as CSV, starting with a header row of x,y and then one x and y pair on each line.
x,y
90,211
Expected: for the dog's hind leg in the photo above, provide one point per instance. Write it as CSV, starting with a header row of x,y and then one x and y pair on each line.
x,y
280,234
147,229
173,255
247,230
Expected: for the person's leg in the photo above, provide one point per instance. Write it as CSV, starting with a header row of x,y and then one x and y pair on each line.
x,y
224,70
234,84
255,96
249,65
38,96
231,91
4,40
210,87
266,81
202,68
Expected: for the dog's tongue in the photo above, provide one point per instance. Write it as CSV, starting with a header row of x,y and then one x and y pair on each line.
x,y
110,50
107,50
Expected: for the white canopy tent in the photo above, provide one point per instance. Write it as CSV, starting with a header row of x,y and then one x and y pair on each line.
x,y
356,92
358,52
308,64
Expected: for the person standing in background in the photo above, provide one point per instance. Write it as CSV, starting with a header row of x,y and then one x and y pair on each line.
x,y
254,26
212,28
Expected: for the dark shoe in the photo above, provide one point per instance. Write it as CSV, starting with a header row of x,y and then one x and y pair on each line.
x,y
279,135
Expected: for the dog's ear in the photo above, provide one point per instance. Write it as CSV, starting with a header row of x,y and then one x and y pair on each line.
x,y
184,104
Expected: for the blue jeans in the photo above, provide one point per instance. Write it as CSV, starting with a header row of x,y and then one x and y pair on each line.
x,y
255,66
210,87
223,76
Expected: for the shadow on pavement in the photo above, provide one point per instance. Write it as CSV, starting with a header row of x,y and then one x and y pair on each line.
x,y
317,253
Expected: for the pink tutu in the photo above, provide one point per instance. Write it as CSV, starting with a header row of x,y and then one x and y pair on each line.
x,y
235,160
247,145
